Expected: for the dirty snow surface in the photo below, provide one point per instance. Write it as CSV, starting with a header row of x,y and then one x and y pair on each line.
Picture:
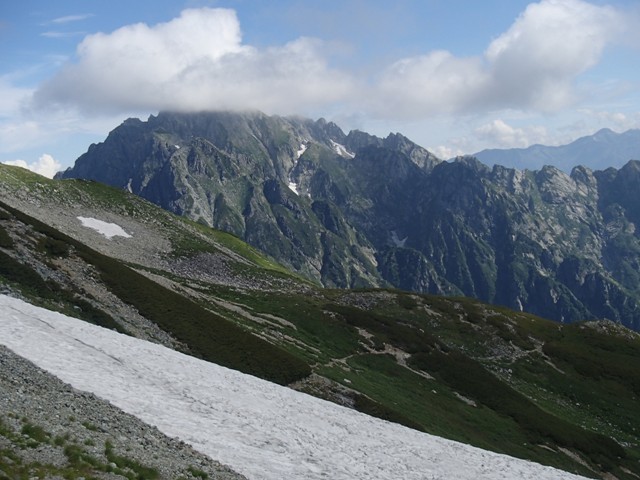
x,y
259,429
109,230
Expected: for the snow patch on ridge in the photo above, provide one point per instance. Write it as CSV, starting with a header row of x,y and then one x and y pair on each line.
x,y
303,148
109,230
342,150
293,186
259,429
396,240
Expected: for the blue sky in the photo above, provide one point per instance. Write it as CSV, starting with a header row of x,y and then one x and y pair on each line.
x,y
454,76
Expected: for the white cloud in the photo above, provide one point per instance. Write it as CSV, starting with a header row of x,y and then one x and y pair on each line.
x,y
198,61
613,119
194,62
19,134
11,96
444,152
436,82
536,61
49,130
502,135
534,65
46,165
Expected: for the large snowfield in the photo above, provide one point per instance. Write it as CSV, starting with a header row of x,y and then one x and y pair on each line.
x,y
260,429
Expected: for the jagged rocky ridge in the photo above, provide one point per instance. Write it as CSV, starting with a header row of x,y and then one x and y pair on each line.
x,y
357,210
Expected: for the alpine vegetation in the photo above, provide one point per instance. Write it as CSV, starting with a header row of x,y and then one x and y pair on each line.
x,y
257,428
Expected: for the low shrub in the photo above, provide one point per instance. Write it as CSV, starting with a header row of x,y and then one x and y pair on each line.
x,y
5,239
472,380
25,276
365,405
36,433
140,472
207,335
389,330
54,247
211,337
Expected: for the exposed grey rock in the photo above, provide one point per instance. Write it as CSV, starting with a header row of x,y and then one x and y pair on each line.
x,y
385,212
85,423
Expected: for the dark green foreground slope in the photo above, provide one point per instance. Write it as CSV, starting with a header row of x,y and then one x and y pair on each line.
x,y
563,395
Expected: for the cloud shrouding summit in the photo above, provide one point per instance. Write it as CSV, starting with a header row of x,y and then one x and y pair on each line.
x,y
194,62
199,62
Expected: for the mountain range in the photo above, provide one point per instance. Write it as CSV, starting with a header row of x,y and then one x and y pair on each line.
x,y
599,151
502,380
355,210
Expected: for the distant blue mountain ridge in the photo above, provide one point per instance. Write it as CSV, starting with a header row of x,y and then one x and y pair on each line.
x,y
599,151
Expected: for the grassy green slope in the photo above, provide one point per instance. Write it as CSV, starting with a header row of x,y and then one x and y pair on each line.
x,y
208,335
501,380
563,395
57,201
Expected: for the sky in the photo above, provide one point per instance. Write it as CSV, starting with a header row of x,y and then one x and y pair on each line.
x,y
454,76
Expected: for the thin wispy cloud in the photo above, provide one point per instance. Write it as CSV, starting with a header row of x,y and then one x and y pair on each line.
x,y
56,34
61,22
71,18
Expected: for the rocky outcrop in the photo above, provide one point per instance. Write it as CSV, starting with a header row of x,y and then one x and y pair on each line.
x,y
50,430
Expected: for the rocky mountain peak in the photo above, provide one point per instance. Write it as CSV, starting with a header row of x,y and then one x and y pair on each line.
x,y
358,210
330,131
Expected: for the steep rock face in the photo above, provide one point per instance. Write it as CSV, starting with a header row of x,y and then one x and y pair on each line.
x,y
358,210
531,240
236,172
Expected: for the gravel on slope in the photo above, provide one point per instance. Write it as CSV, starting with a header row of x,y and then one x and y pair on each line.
x,y
53,431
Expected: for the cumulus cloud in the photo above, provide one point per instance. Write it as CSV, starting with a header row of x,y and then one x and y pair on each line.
x,y
198,61
445,152
194,62
11,96
502,135
533,65
617,120
46,165
550,44
436,82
